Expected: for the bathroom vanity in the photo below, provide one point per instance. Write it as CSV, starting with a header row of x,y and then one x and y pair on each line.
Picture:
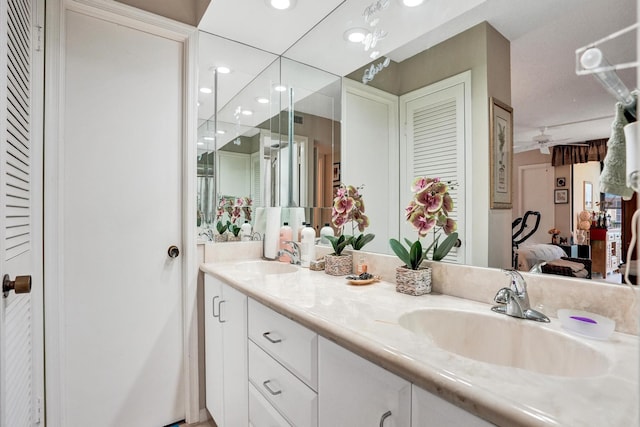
x,y
288,346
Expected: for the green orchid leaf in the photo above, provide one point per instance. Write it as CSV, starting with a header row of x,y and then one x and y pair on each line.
x,y
447,244
400,251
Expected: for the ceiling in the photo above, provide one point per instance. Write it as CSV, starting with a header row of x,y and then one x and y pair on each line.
x,y
544,35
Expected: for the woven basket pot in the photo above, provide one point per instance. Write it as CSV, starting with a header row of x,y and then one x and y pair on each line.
x,y
338,265
413,282
220,238
233,238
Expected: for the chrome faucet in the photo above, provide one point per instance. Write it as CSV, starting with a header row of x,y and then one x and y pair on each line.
x,y
514,300
293,254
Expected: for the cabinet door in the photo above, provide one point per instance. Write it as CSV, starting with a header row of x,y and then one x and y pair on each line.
x,y
428,410
214,366
355,392
233,318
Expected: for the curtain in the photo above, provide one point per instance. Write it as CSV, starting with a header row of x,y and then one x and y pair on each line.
x,y
569,154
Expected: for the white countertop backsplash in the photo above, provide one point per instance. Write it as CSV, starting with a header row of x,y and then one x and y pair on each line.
x,y
364,319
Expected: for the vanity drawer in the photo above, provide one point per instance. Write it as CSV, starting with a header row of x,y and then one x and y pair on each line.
x,y
293,345
261,413
294,399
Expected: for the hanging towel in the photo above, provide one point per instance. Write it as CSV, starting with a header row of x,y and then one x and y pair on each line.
x,y
612,178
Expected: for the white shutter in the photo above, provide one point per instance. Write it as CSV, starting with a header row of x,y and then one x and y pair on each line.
x,y
256,185
434,146
16,403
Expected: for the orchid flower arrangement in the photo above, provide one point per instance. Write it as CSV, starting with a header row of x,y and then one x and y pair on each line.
x,y
234,209
348,207
428,211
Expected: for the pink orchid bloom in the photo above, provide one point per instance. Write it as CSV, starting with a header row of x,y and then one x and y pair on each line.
x,y
431,202
447,203
423,224
343,205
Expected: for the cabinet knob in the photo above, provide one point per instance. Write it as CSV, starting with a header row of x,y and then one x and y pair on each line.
x,y
384,417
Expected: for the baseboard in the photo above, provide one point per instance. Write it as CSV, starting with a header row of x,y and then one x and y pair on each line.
x,y
204,415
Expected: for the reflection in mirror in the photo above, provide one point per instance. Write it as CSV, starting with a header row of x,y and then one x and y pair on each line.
x,y
235,79
538,81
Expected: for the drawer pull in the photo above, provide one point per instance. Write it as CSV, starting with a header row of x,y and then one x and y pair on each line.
x,y
266,335
213,303
384,417
275,393
220,311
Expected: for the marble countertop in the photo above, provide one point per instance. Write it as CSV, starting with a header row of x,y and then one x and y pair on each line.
x,y
364,319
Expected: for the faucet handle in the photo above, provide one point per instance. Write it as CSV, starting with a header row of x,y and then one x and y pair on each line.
x,y
517,282
503,295
296,245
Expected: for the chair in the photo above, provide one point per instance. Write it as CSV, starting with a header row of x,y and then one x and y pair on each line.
x,y
566,271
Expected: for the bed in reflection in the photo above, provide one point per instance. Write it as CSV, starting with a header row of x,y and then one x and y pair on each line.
x,y
552,259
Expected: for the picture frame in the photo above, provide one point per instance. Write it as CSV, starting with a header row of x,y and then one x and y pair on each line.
x,y
561,196
336,172
561,182
588,195
500,154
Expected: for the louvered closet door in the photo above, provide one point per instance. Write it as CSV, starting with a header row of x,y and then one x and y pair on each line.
x,y
434,146
17,218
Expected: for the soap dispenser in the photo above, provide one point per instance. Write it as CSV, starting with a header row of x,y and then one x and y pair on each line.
x,y
245,231
307,246
324,232
285,238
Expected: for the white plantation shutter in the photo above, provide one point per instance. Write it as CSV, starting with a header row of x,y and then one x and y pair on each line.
x,y
256,186
16,403
434,146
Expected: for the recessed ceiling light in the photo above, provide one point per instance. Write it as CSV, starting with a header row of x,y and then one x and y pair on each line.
x,y
355,35
205,90
262,100
208,138
220,132
280,88
281,4
247,112
200,143
412,3
223,70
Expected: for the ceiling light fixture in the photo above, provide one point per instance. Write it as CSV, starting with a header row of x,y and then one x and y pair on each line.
x,y
412,3
220,132
205,90
281,4
223,70
200,143
355,35
279,88
262,100
208,138
247,112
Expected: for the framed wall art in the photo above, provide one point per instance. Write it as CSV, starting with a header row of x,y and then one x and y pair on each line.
x,y
501,154
561,196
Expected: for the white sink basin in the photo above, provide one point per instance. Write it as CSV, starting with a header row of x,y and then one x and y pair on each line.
x,y
266,267
506,341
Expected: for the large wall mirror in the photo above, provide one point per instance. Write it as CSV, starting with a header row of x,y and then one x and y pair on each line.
x,y
268,133
520,54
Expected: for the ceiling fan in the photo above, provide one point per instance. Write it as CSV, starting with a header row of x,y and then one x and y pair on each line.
x,y
543,141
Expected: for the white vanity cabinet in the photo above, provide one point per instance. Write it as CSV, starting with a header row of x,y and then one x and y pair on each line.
x,y
225,326
428,410
282,368
356,392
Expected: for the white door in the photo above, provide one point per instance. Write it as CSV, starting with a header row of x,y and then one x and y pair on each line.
x,y
536,194
21,369
370,124
434,144
120,210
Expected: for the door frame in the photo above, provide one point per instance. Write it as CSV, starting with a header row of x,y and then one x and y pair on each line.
x,y
54,172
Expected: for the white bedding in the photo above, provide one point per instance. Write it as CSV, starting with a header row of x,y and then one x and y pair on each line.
x,y
530,255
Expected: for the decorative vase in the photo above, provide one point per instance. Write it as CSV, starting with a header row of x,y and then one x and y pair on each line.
x,y
338,265
413,282
233,238
219,238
